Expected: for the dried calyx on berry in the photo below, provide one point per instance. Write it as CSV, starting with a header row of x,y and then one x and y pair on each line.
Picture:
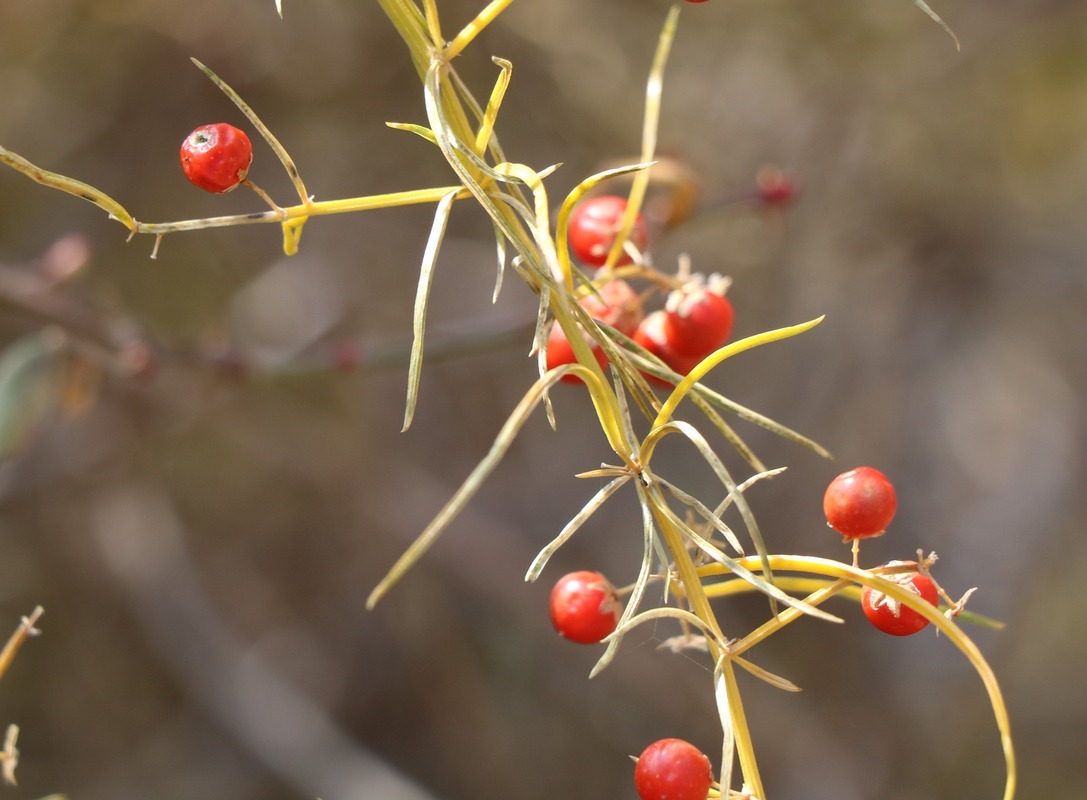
x,y
699,315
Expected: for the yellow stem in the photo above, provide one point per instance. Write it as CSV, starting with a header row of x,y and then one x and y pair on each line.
x,y
473,28
305,210
744,746
715,358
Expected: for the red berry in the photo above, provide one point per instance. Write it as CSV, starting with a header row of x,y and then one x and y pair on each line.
x,y
216,157
893,617
584,607
593,225
775,187
860,503
560,351
616,304
699,318
651,334
672,769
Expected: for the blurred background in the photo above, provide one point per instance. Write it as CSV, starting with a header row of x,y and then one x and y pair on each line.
x,y
202,522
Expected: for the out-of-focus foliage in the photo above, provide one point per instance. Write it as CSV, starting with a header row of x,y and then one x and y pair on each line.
x,y
203,537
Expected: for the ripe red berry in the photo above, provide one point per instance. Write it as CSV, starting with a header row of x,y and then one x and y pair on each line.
x,y
893,617
615,304
860,503
560,351
216,157
593,225
672,769
699,317
584,607
651,334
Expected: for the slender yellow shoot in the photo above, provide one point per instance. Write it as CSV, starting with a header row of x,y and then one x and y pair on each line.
x,y
541,227
418,130
762,421
410,24
562,222
948,627
55,180
422,294
703,511
935,18
744,745
788,583
273,142
474,28
649,544
573,526
715,358
650,123
692,585
662,612
728,742
469,488
733,438
25,630
486,127
303,212
762,674
433,25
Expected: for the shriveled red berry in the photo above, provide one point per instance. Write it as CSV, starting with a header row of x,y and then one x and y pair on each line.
x,y
216,157
860,503
893,617
651,334
672,769
584,607
699,317
593,225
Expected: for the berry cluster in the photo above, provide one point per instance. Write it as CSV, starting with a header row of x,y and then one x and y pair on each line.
x,y
859,504
696,318
585,608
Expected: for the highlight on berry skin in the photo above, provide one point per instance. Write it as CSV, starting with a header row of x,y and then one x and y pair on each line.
x,y
860,503
593,225
890,615
672,769
216,157
584,607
